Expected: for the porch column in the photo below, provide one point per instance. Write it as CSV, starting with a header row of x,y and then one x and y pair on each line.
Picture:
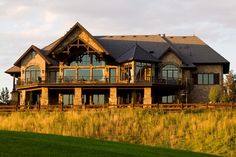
x,y
14,82
147,95
44,96
60,99
22,97
113,95
78,96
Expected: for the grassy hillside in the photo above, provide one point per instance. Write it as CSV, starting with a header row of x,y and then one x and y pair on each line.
x,y
31,145
211,132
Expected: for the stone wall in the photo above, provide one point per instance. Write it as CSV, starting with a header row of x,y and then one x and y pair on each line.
x,y
199,93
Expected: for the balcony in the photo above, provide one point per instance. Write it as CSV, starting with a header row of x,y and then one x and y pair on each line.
x,y
100,81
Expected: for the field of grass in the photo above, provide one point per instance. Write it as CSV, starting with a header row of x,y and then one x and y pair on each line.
x,y
211,132
32,144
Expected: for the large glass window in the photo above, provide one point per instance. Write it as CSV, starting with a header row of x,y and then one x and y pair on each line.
x,y
112,75
84,60
143,71
32,74
53,76
170,72
125,72
168,99
205,79
67,99
96,61
84,74
69,75
98,74
98,98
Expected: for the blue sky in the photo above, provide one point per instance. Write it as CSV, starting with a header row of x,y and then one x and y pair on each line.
x,y
39,22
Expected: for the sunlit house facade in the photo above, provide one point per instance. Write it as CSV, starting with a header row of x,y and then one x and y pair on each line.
x,y
80,68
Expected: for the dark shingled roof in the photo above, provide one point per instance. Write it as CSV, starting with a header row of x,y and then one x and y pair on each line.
x,y
190,49
137,53
117,45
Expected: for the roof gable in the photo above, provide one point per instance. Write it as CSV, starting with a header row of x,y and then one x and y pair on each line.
x,y
75,33
42,53
168,50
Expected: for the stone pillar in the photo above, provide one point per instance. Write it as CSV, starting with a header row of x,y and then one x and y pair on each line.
x,y
44,96
113,95
132,73
22,97
147,95
78,96
61,72
60,99
14,83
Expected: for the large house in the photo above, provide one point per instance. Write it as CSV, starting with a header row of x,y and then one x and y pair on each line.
x,y
80,68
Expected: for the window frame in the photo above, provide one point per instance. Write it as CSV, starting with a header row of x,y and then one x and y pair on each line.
x,y
206,79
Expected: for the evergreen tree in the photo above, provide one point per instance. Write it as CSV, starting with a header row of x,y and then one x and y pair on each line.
x,y
4,96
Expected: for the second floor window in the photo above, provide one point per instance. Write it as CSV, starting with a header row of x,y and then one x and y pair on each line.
x,y
170,72
84,74
143,71
32,74
85,60
69,75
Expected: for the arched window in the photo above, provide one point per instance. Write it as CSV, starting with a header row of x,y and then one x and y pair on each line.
x,y
170,72
32,74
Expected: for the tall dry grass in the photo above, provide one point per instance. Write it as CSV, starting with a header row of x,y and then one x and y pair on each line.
x,y
204,131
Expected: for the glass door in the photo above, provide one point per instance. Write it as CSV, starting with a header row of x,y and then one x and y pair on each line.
x,y
112,75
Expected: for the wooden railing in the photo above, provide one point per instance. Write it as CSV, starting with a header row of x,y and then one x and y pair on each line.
x,y
115,80
159,107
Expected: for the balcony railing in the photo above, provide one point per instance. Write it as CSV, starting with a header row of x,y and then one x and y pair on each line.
x,y
102,80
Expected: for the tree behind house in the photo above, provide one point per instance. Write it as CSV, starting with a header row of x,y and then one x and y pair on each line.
x,y
230,86
4,96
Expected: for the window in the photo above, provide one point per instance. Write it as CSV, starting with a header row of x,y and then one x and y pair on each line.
x,y
143,71
98,74
205,79
53,76
67,99
33,54
125,72
84,60
96,61
84,74
168,99
98,98
32,74
69,75
170,72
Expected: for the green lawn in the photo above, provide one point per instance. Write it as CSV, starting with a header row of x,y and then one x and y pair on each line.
x,y
32,144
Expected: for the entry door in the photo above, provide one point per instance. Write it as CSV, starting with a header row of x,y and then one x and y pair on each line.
x,y
112,75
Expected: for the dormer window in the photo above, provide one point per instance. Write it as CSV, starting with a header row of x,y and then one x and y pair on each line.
x,y
33,54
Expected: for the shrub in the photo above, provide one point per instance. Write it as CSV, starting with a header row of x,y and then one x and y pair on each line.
x,y
214,94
